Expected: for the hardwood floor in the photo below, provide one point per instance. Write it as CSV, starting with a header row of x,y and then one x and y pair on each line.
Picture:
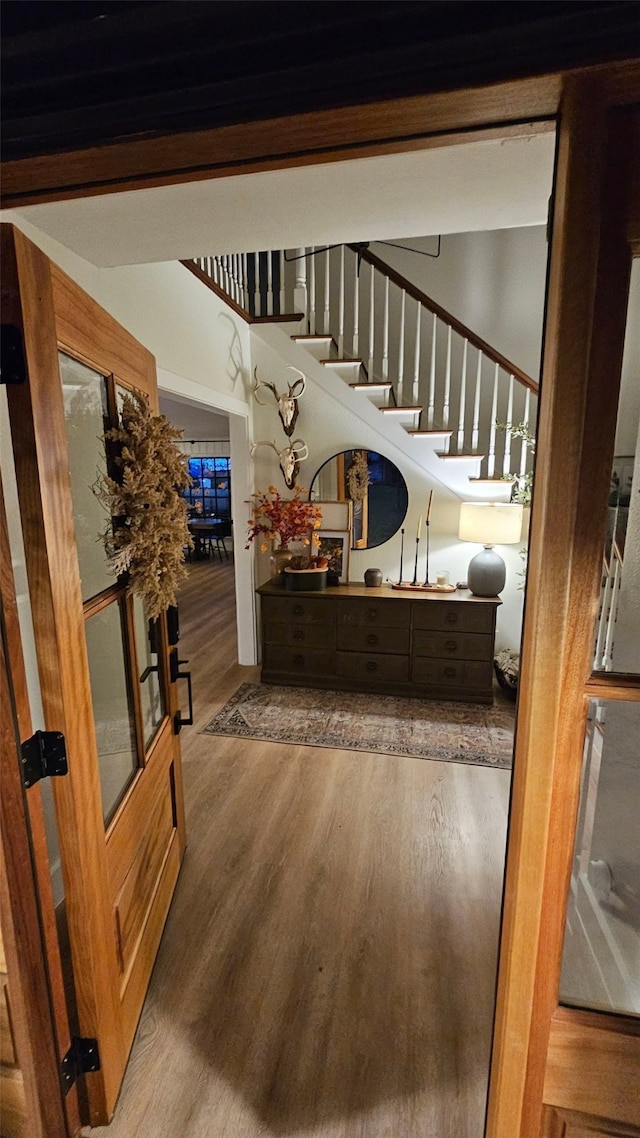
x,y
328,963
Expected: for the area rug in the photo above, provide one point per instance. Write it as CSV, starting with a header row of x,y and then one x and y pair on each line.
x,y
390,725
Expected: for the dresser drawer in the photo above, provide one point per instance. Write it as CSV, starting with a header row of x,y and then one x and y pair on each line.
x,y
373,669
454,645
376,614
455,615
296,610
451,673
298,635
367,639
298,661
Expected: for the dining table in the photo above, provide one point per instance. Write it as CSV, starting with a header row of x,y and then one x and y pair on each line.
x,y
200,529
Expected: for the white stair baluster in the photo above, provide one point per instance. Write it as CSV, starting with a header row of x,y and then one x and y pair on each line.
x,y
605,608
491,461
524,446
403,299
416,358
506,461
300,298
476,406
283,299
341,306
447,381
431,410
613,612
243,272
356,310
312,291
385,333
372,281
269,282
327,282
463,396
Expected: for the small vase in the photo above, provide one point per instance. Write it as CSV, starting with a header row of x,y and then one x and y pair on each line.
x,y
277,561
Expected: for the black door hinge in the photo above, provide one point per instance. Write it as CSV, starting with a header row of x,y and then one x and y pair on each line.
x,y
13,368
82,1057
42,756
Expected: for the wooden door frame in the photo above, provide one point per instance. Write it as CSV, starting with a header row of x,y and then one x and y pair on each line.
x,y
538,816
39,1021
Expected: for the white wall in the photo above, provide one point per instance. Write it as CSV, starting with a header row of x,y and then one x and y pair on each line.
x,y
494,282
328,423
202,351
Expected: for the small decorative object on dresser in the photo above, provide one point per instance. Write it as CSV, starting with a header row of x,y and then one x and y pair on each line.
x,y
373,578
334,545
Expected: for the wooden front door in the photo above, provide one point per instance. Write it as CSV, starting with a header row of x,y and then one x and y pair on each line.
x,y
566,1057
104,668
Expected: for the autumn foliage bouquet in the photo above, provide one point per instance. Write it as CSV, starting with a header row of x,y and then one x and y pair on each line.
x,y
281,520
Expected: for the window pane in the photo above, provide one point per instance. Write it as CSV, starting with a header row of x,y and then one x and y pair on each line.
x,y
112,711
151,696
601,961
85,409
617,644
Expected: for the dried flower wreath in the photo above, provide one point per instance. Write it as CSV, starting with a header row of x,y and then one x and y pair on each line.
x,y
149,531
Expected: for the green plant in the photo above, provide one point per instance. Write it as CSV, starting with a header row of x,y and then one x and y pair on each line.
x,y
522,483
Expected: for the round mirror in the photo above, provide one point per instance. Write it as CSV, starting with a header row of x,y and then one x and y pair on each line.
x,y
374,486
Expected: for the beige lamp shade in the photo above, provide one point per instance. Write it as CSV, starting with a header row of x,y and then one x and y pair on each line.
x,y
490,523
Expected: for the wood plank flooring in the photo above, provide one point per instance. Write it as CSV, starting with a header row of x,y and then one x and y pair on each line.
x,y
328,965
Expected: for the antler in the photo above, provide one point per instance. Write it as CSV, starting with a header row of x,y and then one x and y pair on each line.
x,y
297,447
264,443
263,383
293,394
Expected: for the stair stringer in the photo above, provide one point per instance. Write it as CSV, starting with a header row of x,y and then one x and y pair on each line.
x,y
421,454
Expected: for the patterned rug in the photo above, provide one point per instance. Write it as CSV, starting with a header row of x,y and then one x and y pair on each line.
x,y
388,725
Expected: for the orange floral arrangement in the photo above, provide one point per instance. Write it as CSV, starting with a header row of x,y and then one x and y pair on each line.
x,y
281,520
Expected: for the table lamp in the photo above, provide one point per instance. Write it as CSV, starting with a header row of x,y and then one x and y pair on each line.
x,y
489,524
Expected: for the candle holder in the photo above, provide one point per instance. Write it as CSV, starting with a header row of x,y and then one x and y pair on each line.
x,y
401,554
426,579
415,569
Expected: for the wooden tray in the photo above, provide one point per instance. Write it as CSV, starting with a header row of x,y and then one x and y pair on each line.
x,y
407,587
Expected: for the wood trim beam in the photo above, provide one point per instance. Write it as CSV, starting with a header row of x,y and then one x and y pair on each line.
x,y
387,127
592,1065
584,336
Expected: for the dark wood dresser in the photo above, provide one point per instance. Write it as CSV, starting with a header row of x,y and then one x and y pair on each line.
x,y
359,639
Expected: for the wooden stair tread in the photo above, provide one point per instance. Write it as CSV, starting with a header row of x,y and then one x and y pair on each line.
x,y
460,457
370,386
395,410
433,433
314,337
492,481
342,363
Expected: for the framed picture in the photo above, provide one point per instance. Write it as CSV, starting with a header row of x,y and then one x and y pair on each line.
x,y
336,515
334,545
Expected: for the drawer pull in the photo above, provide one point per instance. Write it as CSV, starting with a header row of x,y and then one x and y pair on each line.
x,y
452,618
298,659
372,614
450,672
372,638
297,610
451,645
372,666
297,634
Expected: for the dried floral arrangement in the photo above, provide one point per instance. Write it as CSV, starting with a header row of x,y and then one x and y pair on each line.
x,y
281,520
358,478
149,531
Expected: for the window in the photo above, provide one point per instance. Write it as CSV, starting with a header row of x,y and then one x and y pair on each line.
x,y
210,494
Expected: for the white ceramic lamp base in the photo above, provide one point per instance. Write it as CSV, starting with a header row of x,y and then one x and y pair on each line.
x,y
487,573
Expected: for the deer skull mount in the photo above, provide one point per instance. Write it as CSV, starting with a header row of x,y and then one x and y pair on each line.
x,y
287,403
290,459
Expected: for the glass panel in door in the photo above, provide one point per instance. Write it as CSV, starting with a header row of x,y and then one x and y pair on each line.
x,y
617,645
85,410
149,679
112,704
601,959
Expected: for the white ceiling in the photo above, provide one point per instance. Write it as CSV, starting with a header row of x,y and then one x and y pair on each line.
x,y
492,184
196,422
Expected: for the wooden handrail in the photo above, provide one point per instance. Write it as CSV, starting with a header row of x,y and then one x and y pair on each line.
x,y
237,308
437,309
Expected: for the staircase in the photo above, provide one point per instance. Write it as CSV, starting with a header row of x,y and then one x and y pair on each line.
x,y
396,347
